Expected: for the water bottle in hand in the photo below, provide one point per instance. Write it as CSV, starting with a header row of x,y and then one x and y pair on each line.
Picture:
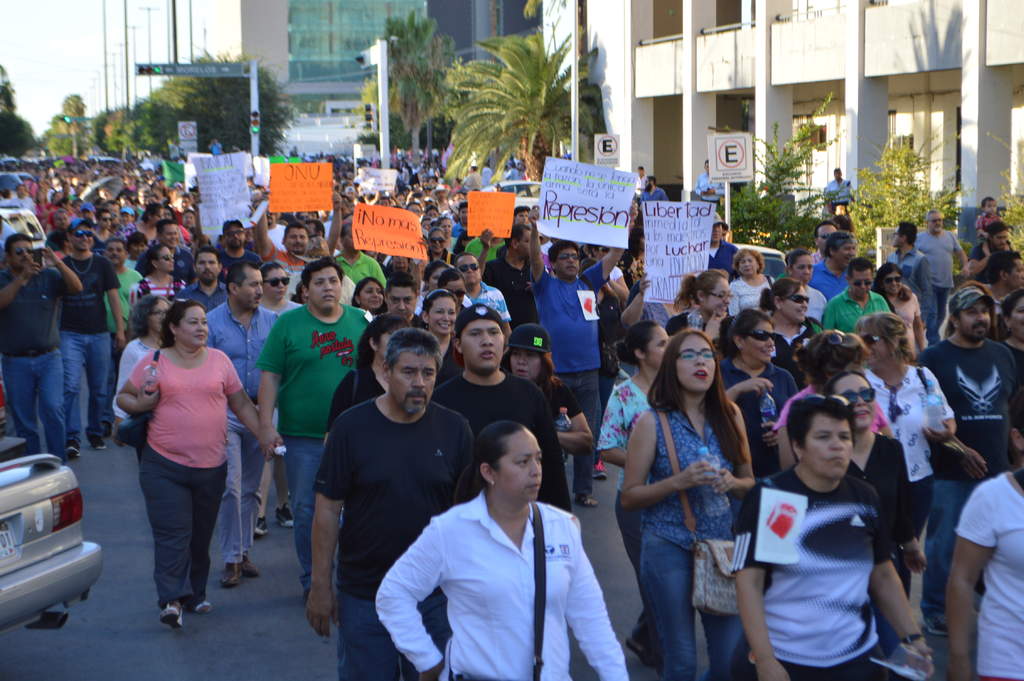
x,y
933,409
150,379
562,423
768,411
704,454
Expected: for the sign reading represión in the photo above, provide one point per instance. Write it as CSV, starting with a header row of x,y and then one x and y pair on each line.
x,y
586,203
677,237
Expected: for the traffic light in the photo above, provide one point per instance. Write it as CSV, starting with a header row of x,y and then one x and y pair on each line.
x,y
148,70
67,119
370,115
254,123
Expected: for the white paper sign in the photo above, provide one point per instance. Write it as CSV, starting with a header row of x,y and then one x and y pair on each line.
x,y
779,520
261,171
677,237
585,203
373,180
223,193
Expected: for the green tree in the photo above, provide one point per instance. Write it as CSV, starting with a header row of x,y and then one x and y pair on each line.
x,y
57,138
897,188
7,102
781,209
518,104
15,134
73,110
418,59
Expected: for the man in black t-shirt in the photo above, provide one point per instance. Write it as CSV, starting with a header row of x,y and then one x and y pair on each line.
x,y
485,394
511,275
392,463
978,377
85,339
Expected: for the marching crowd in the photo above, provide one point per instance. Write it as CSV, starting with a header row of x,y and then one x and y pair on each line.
x,y
789,452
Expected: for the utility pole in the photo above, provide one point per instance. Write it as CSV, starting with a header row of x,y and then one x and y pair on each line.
x,y
106,66
134,59
574,88
191,45
127,94
254,105
383,125
174,29
149,38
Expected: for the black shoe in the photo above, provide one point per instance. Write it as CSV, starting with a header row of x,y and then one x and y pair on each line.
x,y
284,516
261,528
936,626
72,449
108,429
96,442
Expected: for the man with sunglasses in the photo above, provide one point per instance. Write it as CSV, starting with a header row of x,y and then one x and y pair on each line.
x,y
30,297
914,266
858,300
84,338
479,293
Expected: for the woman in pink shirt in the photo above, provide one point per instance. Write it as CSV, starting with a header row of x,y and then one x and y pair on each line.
x,y
184,467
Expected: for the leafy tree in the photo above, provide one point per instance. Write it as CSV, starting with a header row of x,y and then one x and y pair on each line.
x,y
15,134
897,188
6,92
57,138
112,132
781,209
72,109
417,61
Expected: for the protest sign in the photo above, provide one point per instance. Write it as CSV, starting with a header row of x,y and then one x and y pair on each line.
x,y
261,171
585,203
384,229
493,211
373,180
300,186
677,237
223,192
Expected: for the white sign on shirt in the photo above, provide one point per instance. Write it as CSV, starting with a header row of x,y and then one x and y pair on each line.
x,y
779,519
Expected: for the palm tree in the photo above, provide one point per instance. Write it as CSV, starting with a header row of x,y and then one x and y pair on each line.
x,y
518,104
417,61
6,92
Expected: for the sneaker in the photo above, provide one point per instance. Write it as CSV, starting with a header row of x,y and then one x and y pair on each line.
x,y
108,429
599,471
261,528
284,516
96,442
171,615
72,449
203,607
936,626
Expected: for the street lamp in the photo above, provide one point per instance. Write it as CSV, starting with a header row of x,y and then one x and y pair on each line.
x,y
377,55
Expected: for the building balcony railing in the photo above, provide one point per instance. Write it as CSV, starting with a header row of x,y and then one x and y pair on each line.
x,y
725,58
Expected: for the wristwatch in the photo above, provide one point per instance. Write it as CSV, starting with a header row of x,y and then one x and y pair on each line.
x,y
911,638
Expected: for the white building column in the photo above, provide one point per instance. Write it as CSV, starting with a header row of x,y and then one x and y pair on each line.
x,y
986,94
771,104
699,110
867,99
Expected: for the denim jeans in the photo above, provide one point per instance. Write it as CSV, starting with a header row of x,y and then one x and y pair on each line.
x,y
948,499
586,388
629,527
32,380
936,313
241,502
92,350
301,462
667,572
115,361
366,647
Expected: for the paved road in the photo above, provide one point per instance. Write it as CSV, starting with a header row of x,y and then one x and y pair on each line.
x,y
257,631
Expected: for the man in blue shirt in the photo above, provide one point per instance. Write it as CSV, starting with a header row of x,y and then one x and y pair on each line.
x,y
830,274
239,328
720,251
653,192
207,288
914,266
567,307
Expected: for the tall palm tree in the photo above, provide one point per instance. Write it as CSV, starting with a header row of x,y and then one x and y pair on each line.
x,y
417,61
518,104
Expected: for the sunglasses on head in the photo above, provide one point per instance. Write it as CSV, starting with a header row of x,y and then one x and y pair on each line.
x,y
760,335
864,394
278,281
799,299
469,267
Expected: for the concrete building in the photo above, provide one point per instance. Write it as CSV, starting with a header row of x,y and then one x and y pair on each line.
x,y
946,76
470,21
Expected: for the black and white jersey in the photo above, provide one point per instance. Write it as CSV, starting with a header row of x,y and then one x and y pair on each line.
x,y
818,610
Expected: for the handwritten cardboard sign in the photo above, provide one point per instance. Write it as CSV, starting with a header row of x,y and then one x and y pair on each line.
x,y
677,237
585,203
223,192
384,229
372,180
493,211
300,186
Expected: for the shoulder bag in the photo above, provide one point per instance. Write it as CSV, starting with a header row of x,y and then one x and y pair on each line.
x,y
714,585
540,590
132,431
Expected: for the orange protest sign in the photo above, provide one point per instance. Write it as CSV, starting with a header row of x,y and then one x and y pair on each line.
x,y
384,229
493,211
300,186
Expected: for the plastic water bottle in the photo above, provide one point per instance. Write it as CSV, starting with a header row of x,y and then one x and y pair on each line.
x,y
150,379
933,408
714,503
280,450
694,320
768,410
562,423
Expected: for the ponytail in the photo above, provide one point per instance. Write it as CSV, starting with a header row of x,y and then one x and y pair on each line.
x,y
488,448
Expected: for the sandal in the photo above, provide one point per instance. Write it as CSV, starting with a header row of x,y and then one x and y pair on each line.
x,y
171,615
586,500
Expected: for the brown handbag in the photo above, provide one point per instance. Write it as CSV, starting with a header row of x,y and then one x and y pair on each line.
x,y
714,585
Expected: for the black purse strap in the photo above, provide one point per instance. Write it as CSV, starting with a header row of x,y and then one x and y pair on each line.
x,y
539,592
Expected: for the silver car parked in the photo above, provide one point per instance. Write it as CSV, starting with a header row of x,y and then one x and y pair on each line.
x,y
44,564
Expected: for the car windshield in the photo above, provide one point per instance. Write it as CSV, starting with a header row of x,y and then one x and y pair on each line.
x,y
531,190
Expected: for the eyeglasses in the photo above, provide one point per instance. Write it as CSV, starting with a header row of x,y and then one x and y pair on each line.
x,y
21,250
568,256
760,335
861,283
164,257
469,267
892,280
81,232
158,313
458,293
799,299
723,295
278,281
234,232
436,240
866,395
691,355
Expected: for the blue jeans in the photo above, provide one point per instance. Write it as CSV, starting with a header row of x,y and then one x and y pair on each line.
x,y
301,463
629,526
115,361
667,572
936,314
586,388
28,380
92,350
365,646
948,499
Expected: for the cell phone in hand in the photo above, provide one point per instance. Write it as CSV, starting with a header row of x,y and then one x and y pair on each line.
x,y
37,256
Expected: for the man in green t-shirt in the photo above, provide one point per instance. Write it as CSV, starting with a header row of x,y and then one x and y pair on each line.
x,y
354,263
308,352
858,300
117,253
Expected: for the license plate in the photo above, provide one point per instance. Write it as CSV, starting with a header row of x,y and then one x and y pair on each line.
x,y
7,546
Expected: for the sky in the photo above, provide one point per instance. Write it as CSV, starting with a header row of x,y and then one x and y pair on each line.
x,y
54,48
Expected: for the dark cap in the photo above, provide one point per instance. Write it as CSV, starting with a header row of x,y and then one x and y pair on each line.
x,y
965,297
472,314
530,337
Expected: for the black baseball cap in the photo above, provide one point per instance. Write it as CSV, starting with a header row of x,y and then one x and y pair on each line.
x,y
530,337
472,314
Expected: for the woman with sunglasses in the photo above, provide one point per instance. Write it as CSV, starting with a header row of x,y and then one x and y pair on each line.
x,y
369,296
686,456
787,302
889,284
437,246
439,311
158,275
800,266
755,384
275,288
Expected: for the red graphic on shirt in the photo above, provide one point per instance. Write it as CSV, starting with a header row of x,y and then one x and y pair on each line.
x,y
329,344
588,305
781,519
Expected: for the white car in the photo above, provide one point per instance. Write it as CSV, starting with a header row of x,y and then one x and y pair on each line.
x,y
527,192
774,260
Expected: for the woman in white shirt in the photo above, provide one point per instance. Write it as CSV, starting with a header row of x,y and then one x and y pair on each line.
x,y
746,288
480,553
144,325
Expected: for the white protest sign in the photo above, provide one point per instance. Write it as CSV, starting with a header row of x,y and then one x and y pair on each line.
x,y
261,171
586,203
377,179
677,237
223,192
779,520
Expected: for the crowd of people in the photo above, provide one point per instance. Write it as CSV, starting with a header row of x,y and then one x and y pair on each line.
x,y
432,426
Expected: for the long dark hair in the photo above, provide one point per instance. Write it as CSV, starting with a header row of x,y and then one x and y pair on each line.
x,y
375,330
878,286
667,395
149,256
488,448
638,337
